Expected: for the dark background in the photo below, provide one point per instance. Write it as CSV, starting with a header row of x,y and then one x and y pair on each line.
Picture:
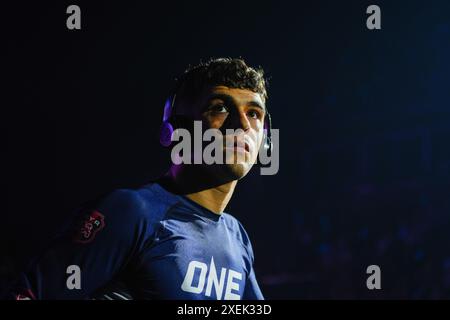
x,y
363,116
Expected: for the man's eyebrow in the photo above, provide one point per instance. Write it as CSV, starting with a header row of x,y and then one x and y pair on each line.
x,y
230,100
256,104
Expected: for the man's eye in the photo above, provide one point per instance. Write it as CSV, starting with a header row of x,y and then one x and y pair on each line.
x,y
218,108
254,114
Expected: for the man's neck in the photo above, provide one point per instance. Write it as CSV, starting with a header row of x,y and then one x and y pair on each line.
x,y
187,182
215,199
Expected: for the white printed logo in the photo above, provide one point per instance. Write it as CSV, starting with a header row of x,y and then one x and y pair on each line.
x,y
201,269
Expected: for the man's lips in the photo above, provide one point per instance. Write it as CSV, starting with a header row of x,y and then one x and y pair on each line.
x,y
239,143
240,147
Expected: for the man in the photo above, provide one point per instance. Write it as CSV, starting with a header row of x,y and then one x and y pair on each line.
x,y
170,239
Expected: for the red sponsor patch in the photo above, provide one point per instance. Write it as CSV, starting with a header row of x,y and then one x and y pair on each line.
x,y
90,225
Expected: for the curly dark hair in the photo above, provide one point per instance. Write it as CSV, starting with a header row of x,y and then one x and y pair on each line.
x,y
230,72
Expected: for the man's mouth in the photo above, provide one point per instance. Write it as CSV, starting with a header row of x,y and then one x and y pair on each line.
x,y
240,146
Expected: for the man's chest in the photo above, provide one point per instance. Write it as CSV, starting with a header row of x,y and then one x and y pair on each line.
x,y
193,261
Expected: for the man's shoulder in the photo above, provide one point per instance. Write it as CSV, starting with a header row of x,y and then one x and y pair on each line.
x,y
234,224
237,228
231,221
144,202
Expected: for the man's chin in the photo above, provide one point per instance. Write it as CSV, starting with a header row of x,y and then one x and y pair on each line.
x,y
237,171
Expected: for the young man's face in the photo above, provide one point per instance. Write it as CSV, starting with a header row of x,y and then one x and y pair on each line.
x,y
222,108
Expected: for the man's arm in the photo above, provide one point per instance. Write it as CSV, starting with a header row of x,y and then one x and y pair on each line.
x,y
100,244
252,290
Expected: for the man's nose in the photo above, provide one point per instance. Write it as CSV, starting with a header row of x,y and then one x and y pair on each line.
x,y
237,120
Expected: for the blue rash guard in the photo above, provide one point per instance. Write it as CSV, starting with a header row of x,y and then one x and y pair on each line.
x,y
164,246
